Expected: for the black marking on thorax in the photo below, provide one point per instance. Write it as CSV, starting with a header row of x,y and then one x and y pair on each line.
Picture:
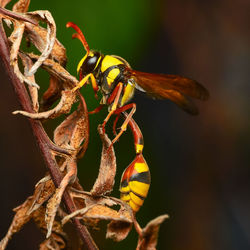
x,y
106,88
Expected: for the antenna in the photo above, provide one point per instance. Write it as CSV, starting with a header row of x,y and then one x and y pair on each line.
x,y
78,35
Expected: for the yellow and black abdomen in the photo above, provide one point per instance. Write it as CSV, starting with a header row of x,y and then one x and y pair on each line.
x,y
135,183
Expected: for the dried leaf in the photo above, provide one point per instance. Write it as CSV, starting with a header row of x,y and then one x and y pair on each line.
x,y
37,35
74,129
3,3
51,244
58,71
52,94
100,208
118,230
50,38
27,62
81,129
16,38
31,208
55,200
43,191
63,107
21,6
99,212
149,235
20,219
58,237
106,177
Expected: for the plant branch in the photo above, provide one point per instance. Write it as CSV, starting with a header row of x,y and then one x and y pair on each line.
x,y
18,16
41,138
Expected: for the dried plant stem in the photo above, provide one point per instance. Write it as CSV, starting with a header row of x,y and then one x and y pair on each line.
x,y
18,16
42,139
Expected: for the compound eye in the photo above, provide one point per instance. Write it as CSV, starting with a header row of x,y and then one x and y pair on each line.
x,y
89,64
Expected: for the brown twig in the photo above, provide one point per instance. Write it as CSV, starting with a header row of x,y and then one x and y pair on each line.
x,y
41,138
17,16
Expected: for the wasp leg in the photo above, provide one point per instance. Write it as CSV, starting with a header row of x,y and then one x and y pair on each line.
x,y
137,134
114,124
94,85
114,98
131,106
81,83
96,110
85,80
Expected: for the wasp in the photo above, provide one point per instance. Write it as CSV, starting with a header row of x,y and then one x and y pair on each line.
x,y
117,81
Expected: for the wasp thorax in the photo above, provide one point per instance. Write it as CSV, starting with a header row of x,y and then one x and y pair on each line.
x,y
90,63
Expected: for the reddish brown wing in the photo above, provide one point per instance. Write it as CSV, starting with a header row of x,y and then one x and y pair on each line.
x,y
172,87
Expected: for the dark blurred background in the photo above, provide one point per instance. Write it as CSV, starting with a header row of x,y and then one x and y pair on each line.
x,y
199,165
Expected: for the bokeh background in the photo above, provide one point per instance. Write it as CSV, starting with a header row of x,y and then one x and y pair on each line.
x,y
199,165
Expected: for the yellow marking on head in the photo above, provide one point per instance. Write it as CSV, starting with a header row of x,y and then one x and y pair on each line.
x,y
137,200
139,187
138,148
141,167
83,59
98,61
81,62
109,61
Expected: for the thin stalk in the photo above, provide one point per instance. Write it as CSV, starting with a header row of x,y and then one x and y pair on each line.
x,y
41,139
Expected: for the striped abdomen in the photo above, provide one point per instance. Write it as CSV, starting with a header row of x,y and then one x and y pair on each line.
x,y
135,183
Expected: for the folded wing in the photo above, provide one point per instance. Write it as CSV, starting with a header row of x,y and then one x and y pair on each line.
x,y
172,87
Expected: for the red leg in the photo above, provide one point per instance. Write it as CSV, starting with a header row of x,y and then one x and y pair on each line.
x,y
114,99
96,110
137,134
131,106
114,124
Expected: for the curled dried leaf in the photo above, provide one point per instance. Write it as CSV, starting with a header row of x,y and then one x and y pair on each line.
x,y
57,71
106,177
50,37
53,243
149,236
15,39
43,191
101,208
31,208
99,212
3,3
56,229
27,62
37,35
20,219
21,6
55,200
63,107
118,230
74,129
52,94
